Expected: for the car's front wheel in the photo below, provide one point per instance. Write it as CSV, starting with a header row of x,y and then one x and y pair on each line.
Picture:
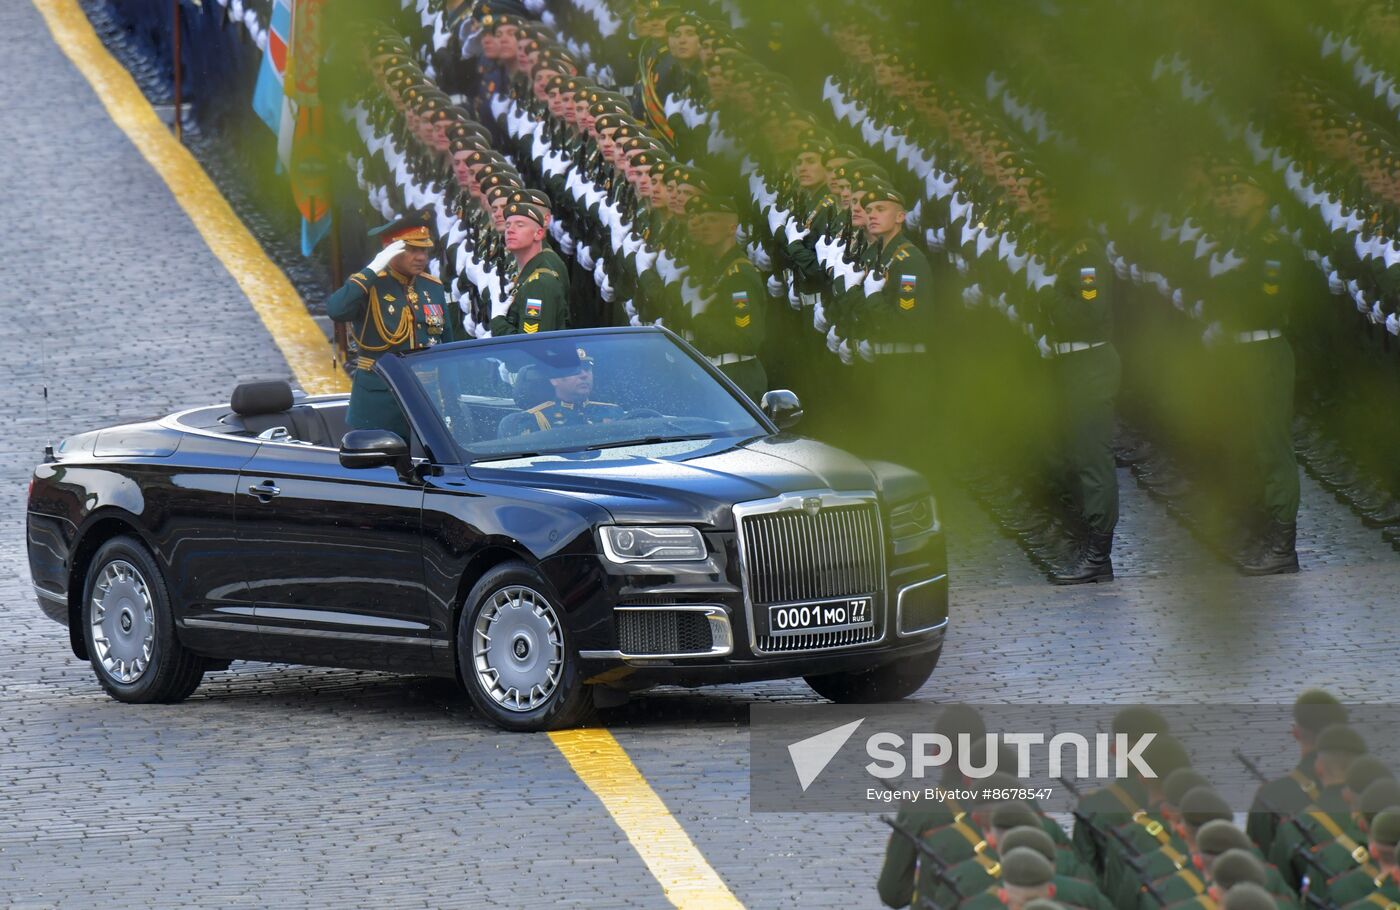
x,y
130,629
889,682
514,654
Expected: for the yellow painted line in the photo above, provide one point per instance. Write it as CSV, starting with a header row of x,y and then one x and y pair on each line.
x,y
600,762
686,878
276,302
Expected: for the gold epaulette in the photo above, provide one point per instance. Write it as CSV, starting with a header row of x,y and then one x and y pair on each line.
x,y
430,278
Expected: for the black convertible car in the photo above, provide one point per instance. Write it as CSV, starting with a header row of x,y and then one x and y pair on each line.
x,y
575,516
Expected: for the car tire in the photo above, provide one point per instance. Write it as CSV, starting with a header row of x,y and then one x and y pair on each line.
x,y
516,656
889,682
129,628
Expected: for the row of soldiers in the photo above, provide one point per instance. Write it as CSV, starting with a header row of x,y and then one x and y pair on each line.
x,y
1326,834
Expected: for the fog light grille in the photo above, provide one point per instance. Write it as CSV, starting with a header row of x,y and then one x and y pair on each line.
x,y
642,632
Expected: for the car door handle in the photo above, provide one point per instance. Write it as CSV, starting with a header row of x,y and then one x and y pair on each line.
x,y
265,490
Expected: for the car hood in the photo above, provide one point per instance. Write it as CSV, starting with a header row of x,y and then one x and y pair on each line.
x,y
690,481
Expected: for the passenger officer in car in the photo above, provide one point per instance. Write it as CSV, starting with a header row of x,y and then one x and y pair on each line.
x,y
392,304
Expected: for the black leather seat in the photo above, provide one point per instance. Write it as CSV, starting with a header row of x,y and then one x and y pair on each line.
x,y
262,406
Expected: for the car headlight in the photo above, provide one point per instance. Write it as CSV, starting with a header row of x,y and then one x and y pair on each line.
x,y
635,543
916,516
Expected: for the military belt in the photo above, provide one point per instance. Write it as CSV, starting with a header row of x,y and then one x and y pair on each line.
x,y
898,347
1258,335
720,360
809,300
1072,347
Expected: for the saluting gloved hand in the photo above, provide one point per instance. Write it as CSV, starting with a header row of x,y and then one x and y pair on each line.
x,y
794,232
776,288
387,254
1042,344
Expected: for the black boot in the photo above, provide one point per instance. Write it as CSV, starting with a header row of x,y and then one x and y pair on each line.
x,y
1094,563
1279,553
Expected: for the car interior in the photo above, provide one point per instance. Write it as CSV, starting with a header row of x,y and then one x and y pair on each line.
x,y
270,411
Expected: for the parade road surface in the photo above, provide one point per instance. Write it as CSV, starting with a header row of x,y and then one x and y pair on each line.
x,y
272,786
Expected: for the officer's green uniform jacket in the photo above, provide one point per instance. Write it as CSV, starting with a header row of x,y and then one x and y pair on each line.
x,y
896,884
733,323
1285,796
387,312
1254,295
550,414
1107,808
903,310
540,300
1361,890
1081,309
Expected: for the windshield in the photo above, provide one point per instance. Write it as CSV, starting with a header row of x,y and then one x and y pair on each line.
x,y
550,394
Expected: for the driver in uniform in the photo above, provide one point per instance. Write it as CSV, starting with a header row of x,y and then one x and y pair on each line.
x,y
570,382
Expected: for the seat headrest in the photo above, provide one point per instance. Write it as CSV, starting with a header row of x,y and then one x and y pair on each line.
x,y
253,398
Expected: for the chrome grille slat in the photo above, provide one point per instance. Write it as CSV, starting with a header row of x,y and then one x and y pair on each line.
x,y
791,556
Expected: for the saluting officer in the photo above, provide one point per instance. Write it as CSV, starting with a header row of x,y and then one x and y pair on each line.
x,y
391,305
540,300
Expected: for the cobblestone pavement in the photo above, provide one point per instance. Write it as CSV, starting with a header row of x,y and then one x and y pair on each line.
x,y
298,787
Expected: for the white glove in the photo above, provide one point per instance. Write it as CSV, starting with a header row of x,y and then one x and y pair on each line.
x,y
567,243
775,285
845,353
759,256
1213,335
794,300
832,342
1198,309
381,261
1043,346
866,352
1335,284
1392,324
776,217
606,290
821,325
1178,300
600,273
794,232
872,284
1377,314
585,257
972,295
645,260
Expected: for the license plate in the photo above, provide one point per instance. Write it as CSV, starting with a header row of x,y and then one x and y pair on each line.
x,y
823,616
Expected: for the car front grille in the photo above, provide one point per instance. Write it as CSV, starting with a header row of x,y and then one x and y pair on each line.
x,y
796,556
643,632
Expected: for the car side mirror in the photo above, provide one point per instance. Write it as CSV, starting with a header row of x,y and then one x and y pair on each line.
x,y
374,449
782,407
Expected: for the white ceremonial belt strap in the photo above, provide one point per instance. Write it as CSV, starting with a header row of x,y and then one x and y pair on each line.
x,y
720,360
898,347
1072,347
1258,335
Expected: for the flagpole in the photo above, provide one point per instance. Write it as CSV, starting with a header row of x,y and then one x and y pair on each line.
x,y
175,26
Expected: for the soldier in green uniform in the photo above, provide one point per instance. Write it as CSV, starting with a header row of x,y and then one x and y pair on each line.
x,y
1115,804
1247,306
897,320
1012,825
1248,896
1214,839
896,883
1381,876
1086,370
729,319
1328,816
556,394
539,301
1313,710
391,305
1121,879
1328,862
1230,870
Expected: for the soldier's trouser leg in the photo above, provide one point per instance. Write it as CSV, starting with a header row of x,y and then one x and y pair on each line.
x,y
748,375
1269,371
1089,382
